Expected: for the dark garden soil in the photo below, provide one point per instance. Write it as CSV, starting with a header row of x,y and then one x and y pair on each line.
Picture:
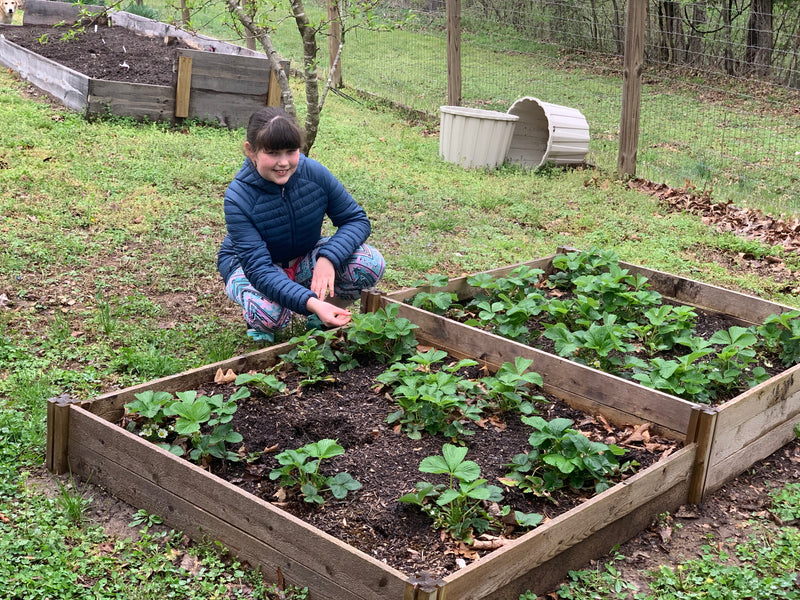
x,y
385,461
110,53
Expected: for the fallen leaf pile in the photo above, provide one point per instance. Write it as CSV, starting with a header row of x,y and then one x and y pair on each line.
x,y
745,222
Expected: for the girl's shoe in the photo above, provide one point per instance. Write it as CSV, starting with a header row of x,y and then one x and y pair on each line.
x,y
261,336
314,323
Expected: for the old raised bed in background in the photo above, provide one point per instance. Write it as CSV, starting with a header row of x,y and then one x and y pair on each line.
x,y
736,434
84,438
225,85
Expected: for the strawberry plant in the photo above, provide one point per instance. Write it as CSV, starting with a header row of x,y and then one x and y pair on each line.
x,y
311,355
435,302
382,334
266,383
433,401
781,334
300,469
562,456
187,423
461,506
599,314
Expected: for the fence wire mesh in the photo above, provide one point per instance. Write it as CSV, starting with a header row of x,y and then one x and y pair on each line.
x,y
721,81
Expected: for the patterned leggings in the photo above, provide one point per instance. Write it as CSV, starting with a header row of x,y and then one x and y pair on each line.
x,y
364,269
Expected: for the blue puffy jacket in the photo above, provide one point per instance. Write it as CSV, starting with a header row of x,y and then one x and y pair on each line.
x,y
269,225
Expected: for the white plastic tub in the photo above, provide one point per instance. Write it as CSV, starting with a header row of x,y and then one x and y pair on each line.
x,y
547,133
473,137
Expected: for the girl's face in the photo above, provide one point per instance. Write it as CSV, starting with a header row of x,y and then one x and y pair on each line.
x,y
274,165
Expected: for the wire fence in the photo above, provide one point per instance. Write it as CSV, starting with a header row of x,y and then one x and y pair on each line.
x,y
721,97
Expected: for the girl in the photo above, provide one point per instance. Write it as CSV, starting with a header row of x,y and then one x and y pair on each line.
x,y
274,261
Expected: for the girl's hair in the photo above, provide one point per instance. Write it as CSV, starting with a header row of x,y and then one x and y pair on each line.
x,y
272,128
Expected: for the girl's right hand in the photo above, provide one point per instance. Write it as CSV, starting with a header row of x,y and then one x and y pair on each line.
x,y
330,315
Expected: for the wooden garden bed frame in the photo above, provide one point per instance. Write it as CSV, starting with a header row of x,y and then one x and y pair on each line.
x,y
736,434
84,439
217,81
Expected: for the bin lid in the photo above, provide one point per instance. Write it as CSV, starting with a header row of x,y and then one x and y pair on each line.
x,y
479,113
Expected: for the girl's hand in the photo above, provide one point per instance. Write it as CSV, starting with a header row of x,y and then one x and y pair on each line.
x,y
330,315
322,279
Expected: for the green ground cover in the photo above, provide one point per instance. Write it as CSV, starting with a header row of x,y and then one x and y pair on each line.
x,y
110,230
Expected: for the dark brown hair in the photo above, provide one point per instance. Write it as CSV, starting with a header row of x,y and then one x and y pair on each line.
x,y
272,128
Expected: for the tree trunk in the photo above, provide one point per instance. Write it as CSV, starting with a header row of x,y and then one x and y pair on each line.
x,y
334,40
758,53
309,35
730,63
287,100
694,46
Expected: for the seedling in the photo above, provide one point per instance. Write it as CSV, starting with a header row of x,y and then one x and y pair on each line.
x,y
189,424
300,469
460,506
428,400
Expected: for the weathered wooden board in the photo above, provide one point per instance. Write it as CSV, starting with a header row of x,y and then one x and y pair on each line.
x,y
752,426
203,504
70,87
42,12
111,406
613,515
154,102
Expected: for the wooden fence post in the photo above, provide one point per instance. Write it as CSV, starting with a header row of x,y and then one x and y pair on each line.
x,y
631,87
183,87
454,52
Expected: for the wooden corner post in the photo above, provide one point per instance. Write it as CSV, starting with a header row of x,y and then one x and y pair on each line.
x,y
424,587
56,457
371,300
701,431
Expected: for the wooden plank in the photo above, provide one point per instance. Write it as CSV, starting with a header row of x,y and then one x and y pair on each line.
x,y
230,110
158,29
652,487
714,299
183,86
182,514
753,426
45,12
563,378
703,433
739,461
70,87
228,74
110,406
155,102
155,477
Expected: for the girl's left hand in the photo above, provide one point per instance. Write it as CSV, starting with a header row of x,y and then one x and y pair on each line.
x,y
323,278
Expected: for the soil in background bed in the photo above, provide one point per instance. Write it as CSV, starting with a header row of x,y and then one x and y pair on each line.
x,y
386,463
109,53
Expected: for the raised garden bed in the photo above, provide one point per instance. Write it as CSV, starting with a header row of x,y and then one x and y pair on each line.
x,y
741,430
201,77
85,438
